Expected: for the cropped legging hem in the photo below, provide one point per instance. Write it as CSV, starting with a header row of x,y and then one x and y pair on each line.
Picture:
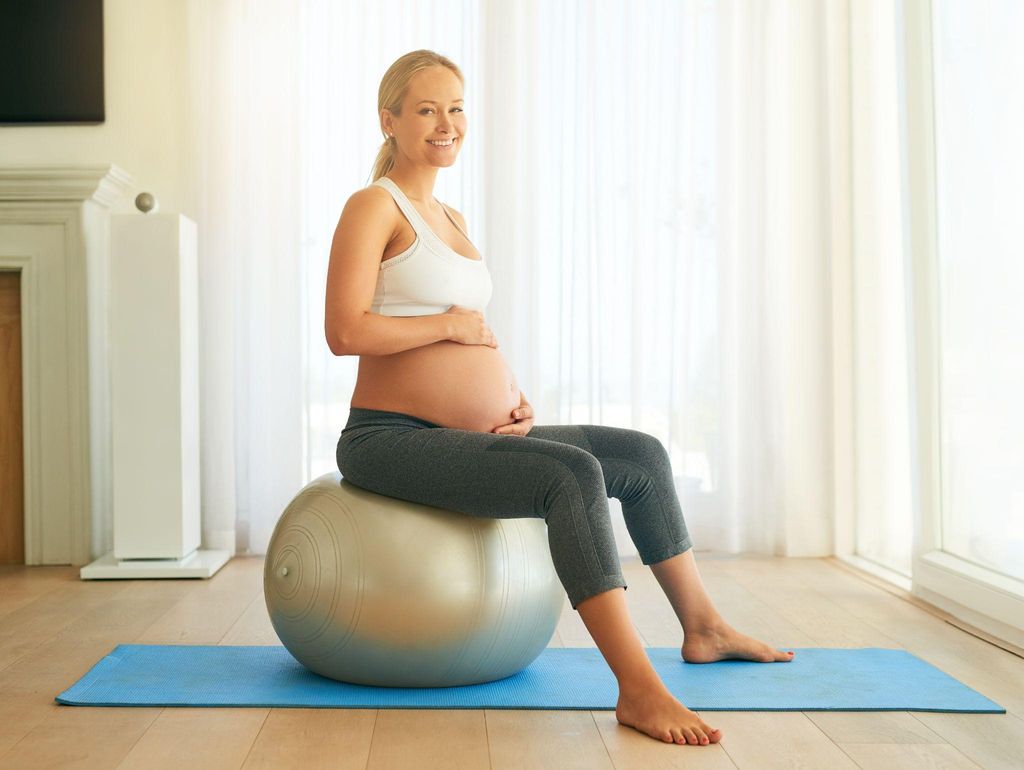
x,y
682,546
580,593
614,581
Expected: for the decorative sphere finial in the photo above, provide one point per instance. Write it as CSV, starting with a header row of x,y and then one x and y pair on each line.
x,y
145,202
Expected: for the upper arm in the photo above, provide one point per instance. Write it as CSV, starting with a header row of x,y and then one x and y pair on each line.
x,y
364,229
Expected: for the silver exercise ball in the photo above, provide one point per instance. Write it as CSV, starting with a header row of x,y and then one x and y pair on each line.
x,y
374,590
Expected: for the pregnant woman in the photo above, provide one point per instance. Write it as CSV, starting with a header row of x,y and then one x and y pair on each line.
x,y
437,417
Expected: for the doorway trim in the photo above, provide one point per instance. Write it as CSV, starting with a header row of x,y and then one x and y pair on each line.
x,y
65,371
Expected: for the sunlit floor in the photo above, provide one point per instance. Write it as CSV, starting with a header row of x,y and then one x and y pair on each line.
x,y
54,627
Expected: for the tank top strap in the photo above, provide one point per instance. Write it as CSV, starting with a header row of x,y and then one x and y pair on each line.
x,y
419,225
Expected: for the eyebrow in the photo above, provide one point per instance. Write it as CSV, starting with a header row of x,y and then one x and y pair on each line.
x,y
427,101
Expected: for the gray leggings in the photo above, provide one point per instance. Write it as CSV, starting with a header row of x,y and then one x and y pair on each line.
x,y
563,474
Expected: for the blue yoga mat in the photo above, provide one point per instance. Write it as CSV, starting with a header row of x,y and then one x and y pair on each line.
x,y
867,679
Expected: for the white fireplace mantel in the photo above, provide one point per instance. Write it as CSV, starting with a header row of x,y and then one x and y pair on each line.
x,y
104,184
54,229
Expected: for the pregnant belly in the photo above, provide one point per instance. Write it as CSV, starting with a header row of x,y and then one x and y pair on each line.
x,y
469,387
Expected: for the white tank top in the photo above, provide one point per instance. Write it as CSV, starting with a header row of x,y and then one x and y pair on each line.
x,y
430,276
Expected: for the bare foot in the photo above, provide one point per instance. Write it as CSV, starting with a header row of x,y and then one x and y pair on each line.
x,y
723,641
656,712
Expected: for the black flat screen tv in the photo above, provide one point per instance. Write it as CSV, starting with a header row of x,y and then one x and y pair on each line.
x,y
51,61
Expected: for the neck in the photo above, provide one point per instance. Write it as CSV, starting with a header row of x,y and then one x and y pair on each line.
x,y
416,182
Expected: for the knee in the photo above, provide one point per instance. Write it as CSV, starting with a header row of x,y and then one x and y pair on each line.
x,y
628,444
583,467
648,450
572,471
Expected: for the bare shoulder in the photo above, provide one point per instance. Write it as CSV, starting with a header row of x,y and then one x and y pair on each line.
x,y
458,217
372,196
369,207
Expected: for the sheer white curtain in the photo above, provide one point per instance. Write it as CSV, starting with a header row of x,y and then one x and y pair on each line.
x,y
881,286
651,183
248,87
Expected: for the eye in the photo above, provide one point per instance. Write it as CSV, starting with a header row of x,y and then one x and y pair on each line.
x,y
430,109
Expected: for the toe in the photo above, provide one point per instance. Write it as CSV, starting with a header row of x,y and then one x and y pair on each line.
x,y
780,655
702,739
690,737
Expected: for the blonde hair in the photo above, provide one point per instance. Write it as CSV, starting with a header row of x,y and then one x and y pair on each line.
x,y
393,88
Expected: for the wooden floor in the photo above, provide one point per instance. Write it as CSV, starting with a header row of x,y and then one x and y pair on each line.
x,y
54,627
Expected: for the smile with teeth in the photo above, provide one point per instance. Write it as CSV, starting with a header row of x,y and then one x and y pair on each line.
x,y
440,143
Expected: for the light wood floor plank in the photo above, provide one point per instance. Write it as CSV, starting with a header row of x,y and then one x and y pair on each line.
x,y
873,727
80,738
424,739
22,585
310,739
907,756
253,627
33,623
545,740
52,663
211,608
991,740
196,738
821,621
764,740
19,715
128,612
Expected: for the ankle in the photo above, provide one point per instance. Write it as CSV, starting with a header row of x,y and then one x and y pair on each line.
x,y
704,625
642,686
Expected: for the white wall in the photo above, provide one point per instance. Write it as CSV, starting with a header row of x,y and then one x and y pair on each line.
x,y
148,129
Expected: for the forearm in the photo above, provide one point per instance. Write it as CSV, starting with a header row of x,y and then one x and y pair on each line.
x,y
379,335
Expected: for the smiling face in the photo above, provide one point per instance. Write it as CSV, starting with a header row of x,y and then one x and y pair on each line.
x,y
432,126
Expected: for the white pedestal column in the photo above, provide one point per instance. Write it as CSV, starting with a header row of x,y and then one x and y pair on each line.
x,y
154,352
